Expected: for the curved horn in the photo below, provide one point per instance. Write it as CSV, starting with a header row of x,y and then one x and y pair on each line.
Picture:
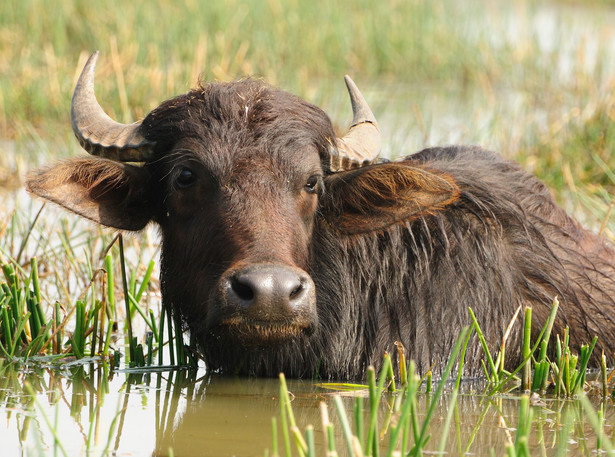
x,y
97,133
361,145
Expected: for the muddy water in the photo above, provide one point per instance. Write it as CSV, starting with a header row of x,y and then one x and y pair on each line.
x,y
134,414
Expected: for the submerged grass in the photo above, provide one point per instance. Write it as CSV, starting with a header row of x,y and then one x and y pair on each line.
x,y
408,433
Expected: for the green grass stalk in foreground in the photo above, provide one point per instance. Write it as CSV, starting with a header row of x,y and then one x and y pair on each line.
x,y
132,342
569,378
527,333
399,438
541,366
453,400
603,375
569,369
520,448
29,327
77,341
110,309
494,377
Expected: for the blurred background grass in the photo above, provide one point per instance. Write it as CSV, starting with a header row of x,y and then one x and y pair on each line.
x,y
156,49
532,79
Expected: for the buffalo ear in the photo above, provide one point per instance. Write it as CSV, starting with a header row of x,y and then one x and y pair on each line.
x,y
375,197
107,192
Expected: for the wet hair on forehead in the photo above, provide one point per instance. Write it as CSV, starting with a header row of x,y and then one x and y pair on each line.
x,y
245,109
245,125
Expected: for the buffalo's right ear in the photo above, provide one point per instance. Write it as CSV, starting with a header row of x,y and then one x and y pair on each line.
x,y
110,193
375,197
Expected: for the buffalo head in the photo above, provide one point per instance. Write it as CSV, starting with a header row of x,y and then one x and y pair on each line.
x,y
238,176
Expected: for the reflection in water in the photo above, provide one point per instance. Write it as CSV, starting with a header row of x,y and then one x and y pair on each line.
x,y
98,411
225,416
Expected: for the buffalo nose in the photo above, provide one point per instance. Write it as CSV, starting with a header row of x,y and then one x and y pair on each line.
x,y
269,292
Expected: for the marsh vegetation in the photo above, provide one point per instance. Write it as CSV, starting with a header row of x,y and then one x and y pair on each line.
x,y
89,361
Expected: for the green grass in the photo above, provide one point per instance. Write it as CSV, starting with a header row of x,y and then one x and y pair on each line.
x,y
558,123
46,316
70,290
575,153
407,429
150,55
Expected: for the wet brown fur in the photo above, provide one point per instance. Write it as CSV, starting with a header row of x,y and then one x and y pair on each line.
x,y
397,251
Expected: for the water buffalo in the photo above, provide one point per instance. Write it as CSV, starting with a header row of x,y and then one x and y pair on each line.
x,y
288,248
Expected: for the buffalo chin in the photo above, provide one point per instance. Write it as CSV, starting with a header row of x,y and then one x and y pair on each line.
x,y
264,334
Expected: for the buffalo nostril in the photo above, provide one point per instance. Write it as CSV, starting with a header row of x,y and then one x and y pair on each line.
x,y
242,288
296,291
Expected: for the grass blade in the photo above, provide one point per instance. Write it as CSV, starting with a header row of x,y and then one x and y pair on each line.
x,y
449,366
483,342
341,413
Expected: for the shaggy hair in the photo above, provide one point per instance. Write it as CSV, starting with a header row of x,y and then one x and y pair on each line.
x,y
384,253
502,244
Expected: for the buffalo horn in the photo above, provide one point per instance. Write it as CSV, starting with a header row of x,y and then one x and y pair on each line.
x,y
361,145
97,133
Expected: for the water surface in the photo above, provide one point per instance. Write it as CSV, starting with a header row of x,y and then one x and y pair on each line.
x,y
139,414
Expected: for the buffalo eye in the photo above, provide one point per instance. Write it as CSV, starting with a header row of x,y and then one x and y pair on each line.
x,y
311,186
185,178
